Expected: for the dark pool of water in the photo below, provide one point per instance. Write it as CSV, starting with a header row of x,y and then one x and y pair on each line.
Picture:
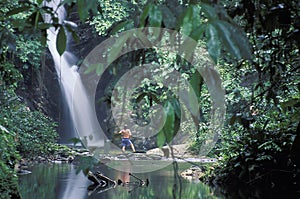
x,y
62,181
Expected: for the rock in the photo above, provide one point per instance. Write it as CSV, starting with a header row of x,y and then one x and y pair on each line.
x,y
23,172
156,151
84,154
41,159
70,159
122,157
155,157
105,160
179,150
166,151
142,157
193,173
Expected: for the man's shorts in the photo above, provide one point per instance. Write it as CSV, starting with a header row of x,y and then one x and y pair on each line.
x,y
126,142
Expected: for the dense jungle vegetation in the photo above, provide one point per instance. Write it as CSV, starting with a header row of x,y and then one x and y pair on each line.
x,y
254,45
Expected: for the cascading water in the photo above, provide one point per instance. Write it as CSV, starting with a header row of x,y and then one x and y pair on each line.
x,y
80,109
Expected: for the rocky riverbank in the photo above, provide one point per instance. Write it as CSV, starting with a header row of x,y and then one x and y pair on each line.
x,y
67,154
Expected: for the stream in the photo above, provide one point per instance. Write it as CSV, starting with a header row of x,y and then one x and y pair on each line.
x,y
65,181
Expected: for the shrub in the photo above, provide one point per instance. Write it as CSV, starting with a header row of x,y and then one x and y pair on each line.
x,y
8,158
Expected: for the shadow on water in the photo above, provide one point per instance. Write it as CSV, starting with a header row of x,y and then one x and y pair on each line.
x,y
60,181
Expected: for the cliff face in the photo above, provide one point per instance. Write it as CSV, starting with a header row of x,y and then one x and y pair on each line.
x,y
40,88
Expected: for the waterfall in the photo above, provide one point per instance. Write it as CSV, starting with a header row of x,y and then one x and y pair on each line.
x,y
80,121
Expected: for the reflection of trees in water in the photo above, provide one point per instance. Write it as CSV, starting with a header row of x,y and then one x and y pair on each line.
x,y
43,181
50,181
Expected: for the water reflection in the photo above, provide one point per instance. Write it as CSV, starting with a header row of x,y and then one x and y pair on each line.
x,y
60,181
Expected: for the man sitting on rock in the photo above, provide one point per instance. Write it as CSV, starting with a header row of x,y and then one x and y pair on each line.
x,y
126,134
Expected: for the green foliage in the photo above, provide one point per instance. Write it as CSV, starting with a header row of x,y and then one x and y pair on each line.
x,y
194,19
42,182
9,77
29,51
35,132
262,94
9,156
87,6
114,16
27,18
86,164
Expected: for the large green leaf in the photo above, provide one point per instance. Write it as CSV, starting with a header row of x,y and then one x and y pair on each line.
x,y
187,49
99,67
82,9
198,32
196,81
209,11
234,39
144,15
189,20
186,24
167,132
121,25
61,41
86,7
213,42
169,18
155,16
176,107
161,139
18,10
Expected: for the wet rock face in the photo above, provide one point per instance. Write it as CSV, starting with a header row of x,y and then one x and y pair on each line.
x,y
87,35
40,88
